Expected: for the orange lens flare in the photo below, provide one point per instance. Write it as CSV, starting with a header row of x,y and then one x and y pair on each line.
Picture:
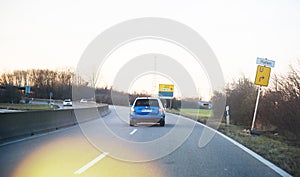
x,y
64,156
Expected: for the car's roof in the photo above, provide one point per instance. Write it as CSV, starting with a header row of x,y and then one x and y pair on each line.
x,y
147,98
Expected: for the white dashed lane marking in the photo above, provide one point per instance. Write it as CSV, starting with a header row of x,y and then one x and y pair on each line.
x,y
91,163
133,131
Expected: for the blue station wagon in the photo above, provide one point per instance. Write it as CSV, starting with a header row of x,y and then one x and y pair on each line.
x,y
147,109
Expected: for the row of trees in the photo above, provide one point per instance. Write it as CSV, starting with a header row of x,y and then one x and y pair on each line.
x,y
37,77
41,81
62,83
279,106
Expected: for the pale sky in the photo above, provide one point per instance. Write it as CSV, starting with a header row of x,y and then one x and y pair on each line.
x,y
54,34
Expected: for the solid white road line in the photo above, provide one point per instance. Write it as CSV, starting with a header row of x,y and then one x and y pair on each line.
x,y
133,131
91,163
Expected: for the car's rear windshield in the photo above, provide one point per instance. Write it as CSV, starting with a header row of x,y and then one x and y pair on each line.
x,y
146,102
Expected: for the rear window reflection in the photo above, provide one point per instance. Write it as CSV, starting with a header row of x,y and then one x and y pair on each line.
x,y
146,102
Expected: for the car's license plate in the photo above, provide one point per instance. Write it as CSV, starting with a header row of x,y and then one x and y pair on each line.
x,y
146,110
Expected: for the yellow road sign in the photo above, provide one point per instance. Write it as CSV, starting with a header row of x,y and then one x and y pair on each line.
x,y
166,88
262,75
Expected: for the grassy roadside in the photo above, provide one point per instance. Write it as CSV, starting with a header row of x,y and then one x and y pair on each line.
x,y
201,115
274,148
27,107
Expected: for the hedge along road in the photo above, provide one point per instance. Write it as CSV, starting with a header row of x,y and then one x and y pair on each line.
x,y
68,152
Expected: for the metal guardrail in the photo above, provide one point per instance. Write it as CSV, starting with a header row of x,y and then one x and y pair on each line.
x,y
16,125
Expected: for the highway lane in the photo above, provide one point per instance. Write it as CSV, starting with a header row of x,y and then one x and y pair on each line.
x,y
86,150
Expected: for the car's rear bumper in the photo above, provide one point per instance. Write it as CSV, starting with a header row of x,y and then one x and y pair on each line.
x,y
146,120
68,105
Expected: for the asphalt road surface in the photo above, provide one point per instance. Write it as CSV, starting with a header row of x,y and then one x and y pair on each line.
x,y
108,146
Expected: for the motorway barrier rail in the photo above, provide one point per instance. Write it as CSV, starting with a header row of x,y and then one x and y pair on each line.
x,y
16,125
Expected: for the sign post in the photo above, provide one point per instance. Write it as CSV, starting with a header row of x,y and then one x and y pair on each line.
x,y
227,116
50,95
262,79
255,110
27,94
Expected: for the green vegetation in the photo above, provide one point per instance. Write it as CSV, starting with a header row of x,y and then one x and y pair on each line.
x,y
27,106
200,114
196,112
273,147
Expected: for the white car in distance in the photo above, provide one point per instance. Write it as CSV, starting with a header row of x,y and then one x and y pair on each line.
x,y
67,102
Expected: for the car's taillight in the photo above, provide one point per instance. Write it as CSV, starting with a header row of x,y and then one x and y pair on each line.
x,y
132,109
